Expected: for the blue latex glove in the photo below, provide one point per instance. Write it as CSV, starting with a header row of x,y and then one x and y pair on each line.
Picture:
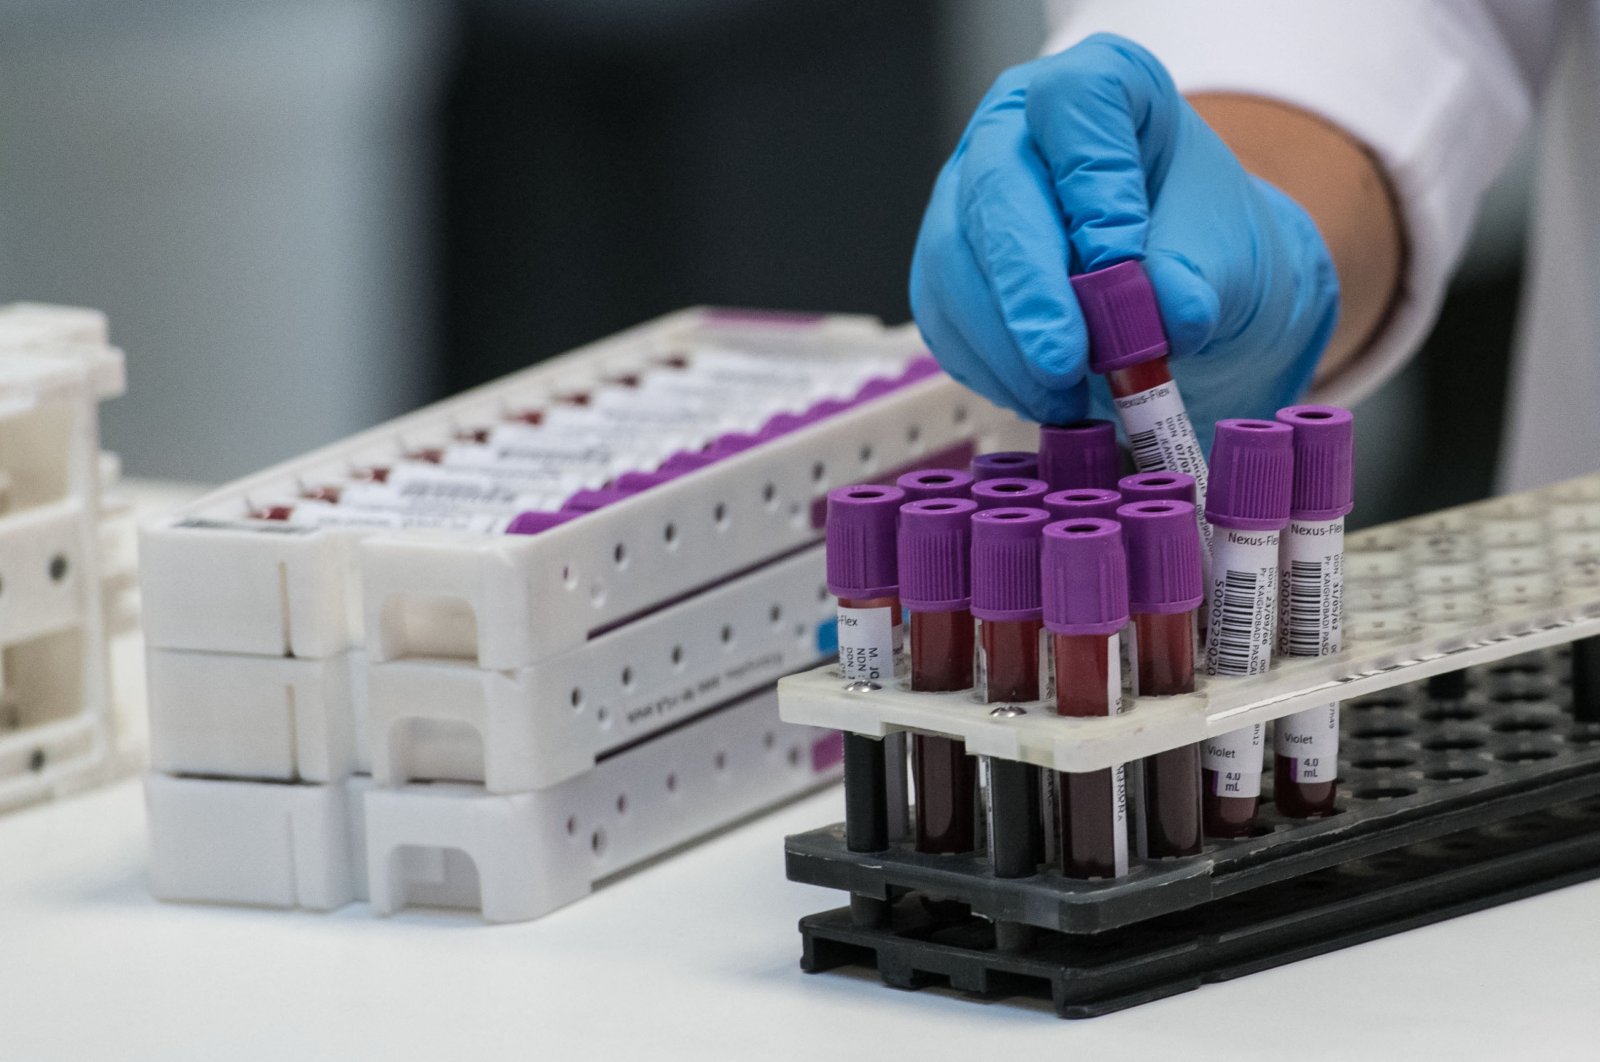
x,y
1085,159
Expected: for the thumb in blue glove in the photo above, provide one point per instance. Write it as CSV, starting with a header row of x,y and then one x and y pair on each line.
x,y
1087,158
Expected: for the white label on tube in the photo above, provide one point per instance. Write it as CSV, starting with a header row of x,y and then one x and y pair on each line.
x,y
1161,436
1236,759
446,494
1311,603
867,645
1119,819
318,514
1243,602
1310,741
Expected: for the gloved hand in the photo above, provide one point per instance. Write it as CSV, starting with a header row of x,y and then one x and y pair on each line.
x,y
1087,158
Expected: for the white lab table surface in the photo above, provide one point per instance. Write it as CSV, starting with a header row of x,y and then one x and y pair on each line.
x,y
694,956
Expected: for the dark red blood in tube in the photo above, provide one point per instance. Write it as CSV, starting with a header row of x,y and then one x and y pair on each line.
x,y
1226,816
1300,800
944,776
472,435
1011,663
1011,659
1136,379
1164,645
526,416
1087,800
323,494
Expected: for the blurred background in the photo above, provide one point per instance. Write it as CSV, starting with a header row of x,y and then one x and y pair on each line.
x,y
306,216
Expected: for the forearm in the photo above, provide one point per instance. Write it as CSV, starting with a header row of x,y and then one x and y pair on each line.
x,y
1338,182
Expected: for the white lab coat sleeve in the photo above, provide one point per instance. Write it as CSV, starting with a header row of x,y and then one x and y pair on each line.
x,y
1438,90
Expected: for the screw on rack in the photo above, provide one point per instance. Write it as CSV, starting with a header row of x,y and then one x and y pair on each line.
x,y
1008,711
861,686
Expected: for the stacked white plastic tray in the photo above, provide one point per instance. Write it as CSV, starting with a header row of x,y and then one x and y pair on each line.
x,y
66,553
499,721
1437,593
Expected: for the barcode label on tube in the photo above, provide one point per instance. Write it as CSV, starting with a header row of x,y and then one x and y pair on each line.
x,y
867,645
1160,434
1235,762
1244,600
1312,604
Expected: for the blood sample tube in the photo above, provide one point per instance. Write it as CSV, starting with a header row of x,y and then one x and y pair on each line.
x,y
1081,454
935,483
863,574
1085,581
1157,486
1011,661
1006,464
1165,589
1305,745
1252,462
936,589
1088,502
1009,492
1128,346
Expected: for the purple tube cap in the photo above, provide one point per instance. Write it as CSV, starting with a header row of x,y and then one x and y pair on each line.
x,y
935,483
1162,539
936,554
733,442
1081,454
587,501
861,551
1324,461
1252,470
1124,322
1009,491
1085,577
1157,486
633,482
920,368
531,523
782,424
1005,563
1022,464
1083,502
686,461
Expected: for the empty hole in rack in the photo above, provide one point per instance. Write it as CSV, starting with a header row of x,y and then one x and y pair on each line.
x,y
622,803
36,760
58,567
576,697
794,755
775,613
769,739
958,415
727,633
619,554
1454,774
1452,744
769,495
1523,726
572,825
1384,792
1522,696
669,534
569,578
719,513
913,433
866,453
602,715
1524,755
818,470
1382,763
822,592
721,760
672,783
1456,714
1381,733
627,677
597,841
677,656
